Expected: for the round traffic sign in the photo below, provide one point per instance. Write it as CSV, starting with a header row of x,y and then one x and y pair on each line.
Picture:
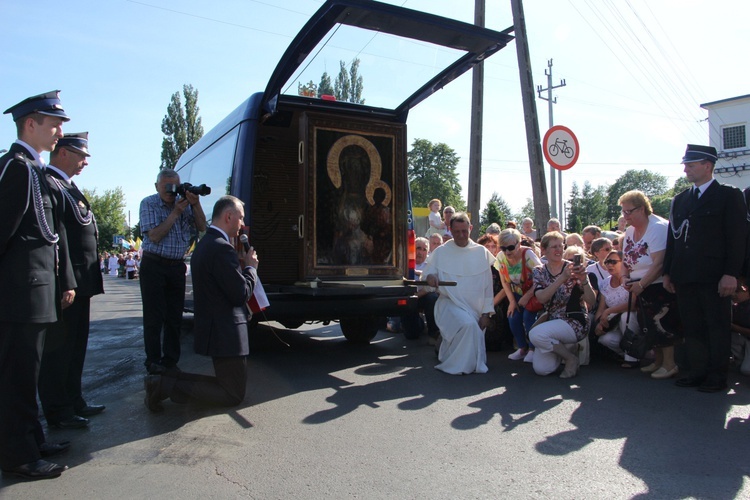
x,y
560,147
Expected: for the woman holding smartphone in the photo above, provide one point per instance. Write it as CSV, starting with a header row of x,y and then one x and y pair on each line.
x,y
564,288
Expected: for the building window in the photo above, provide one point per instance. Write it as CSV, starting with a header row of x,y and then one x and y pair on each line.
x,y
734,137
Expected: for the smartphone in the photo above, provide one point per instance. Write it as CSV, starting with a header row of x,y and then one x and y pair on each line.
x,y
577,259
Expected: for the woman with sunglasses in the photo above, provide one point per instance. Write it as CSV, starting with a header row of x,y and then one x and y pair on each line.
x,y
611,316
643,246
563,287
516,264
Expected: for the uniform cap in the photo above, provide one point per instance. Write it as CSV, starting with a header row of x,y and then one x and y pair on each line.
x,y
695,152
78,142
46,104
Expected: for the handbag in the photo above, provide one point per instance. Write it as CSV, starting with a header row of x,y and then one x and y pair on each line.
x,y
638,342
533,305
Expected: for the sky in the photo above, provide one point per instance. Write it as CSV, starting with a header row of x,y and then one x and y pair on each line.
x,y
636,72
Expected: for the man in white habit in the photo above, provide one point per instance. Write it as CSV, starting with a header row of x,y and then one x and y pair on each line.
x,y
463,311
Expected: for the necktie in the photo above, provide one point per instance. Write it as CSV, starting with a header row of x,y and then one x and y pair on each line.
x,y
696,194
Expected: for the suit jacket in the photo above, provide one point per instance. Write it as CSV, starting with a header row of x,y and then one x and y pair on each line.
x,y
82,239
712,242
221,290
28,261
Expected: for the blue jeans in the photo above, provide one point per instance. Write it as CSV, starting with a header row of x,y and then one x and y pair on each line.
x,y
521,322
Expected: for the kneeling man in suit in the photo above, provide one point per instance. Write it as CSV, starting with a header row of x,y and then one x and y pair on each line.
x,y
223,281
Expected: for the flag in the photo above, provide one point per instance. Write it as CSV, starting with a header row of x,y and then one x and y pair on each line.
x,y
259,299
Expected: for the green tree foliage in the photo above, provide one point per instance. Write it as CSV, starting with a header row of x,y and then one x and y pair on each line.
x,y
588,207
680,185
342,86
355,80
432,174
650,183
497,210
348,85
325,87
182,127
109,210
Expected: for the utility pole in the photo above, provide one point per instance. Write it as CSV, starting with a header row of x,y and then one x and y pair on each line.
x,y
475,143
531,119
550,102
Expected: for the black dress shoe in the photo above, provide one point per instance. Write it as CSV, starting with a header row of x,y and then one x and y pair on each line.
x,y
688,382
41,469
152,384
90,410
49,449
156,369
713,386
74,422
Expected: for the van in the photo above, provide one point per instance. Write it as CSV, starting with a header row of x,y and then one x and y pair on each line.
x,y
324,181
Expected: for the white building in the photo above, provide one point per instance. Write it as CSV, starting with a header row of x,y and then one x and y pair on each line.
x,y
728,129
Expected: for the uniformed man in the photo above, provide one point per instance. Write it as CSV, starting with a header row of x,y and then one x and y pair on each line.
x,y
704,256
29,301
65,345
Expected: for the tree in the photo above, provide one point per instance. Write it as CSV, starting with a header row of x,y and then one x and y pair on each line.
x,y
342,85
109,210
348,85
325,87
651,183
497,210
680,185
588,208
182,127
432,174
527,211
355,80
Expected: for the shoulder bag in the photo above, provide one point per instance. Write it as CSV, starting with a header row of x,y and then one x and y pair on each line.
x,y
637,342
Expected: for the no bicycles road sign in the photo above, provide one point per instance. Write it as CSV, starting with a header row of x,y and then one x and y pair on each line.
x,y
560,147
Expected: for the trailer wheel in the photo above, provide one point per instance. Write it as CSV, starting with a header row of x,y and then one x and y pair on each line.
x,y
360,330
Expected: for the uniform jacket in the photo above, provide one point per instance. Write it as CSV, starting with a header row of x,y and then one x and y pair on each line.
x,y
712,242
221,290
82,239
28,262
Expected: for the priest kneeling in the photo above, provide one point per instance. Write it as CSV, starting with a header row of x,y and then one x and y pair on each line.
x,y
463,311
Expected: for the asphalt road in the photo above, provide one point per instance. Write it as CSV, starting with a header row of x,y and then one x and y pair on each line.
x,y
326,419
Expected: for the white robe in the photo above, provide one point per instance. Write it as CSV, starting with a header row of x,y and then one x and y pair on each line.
x,y
459,308
113,266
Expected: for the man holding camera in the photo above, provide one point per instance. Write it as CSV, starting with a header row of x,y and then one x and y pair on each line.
x,y
167,221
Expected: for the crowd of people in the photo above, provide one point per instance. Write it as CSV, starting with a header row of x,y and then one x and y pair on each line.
x,y
556,299
553,299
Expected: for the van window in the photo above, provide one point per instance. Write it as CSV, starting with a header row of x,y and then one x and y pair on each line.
x,y
213,168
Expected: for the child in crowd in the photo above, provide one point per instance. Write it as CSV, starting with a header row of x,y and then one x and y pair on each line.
x,y
437,226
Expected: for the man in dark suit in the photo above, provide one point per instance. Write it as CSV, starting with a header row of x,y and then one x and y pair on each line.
x,y
223,282
30,298
704,257
65,343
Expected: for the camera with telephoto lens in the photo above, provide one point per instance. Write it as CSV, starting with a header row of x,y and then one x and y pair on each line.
x,y
186,187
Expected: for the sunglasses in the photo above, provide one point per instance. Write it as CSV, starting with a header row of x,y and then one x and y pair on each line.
x,y
421,248
628,212
611,262
509,248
